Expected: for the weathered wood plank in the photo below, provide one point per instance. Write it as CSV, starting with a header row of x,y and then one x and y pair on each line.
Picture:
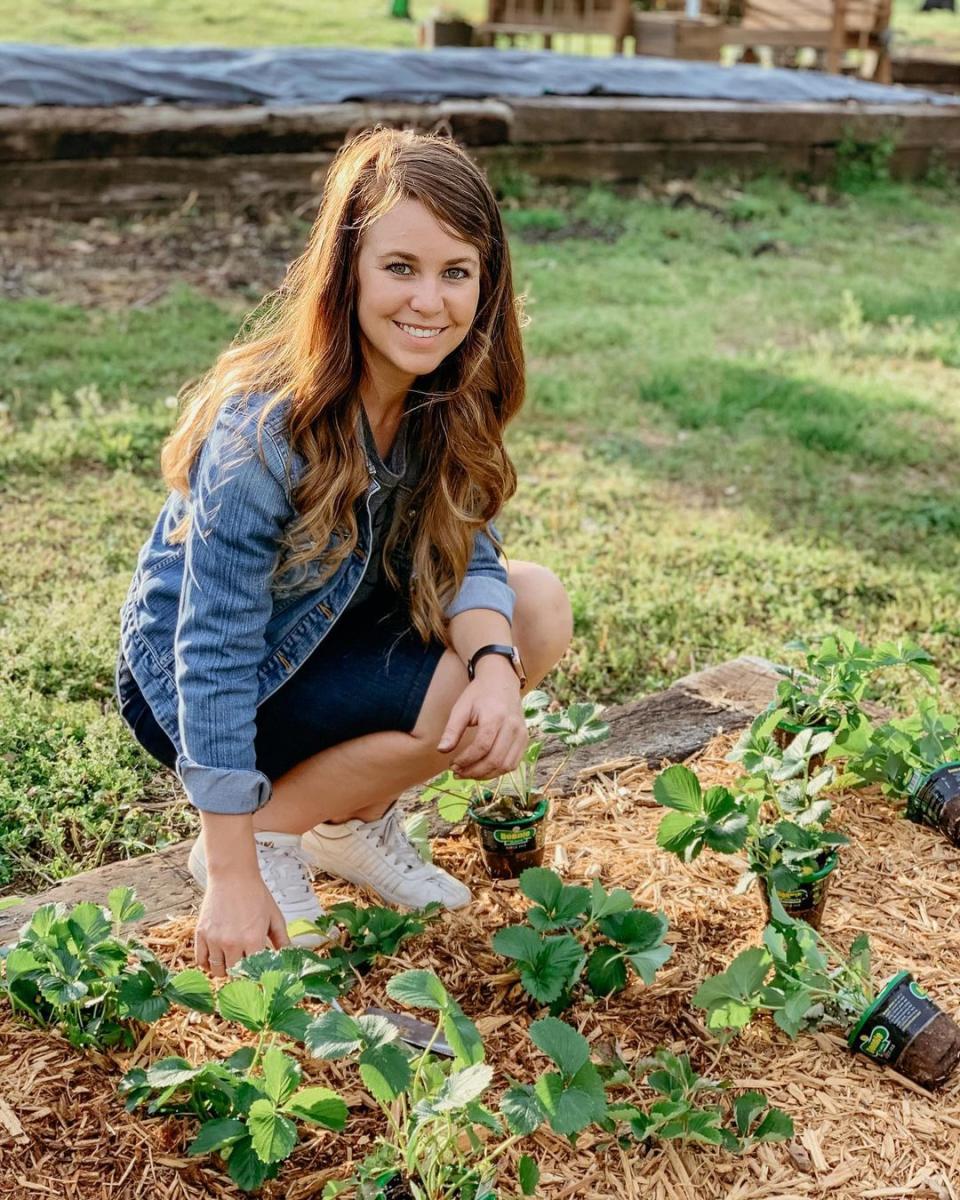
x,y
559,119
144,131
667,726
162,882
627,162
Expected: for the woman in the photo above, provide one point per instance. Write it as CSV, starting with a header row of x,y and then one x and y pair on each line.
x,y
320,618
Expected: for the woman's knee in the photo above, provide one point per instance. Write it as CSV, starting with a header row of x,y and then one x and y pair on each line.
x,y
542,618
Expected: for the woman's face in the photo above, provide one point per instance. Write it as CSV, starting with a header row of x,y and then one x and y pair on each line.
x,y
418,294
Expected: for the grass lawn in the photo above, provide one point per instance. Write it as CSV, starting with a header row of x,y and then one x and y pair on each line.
x,y
328,23
743,425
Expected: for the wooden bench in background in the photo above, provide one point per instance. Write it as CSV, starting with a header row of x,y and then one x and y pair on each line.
x,y
612,18
830,27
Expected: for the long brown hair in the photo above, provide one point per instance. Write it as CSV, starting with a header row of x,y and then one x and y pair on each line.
x,y
304,349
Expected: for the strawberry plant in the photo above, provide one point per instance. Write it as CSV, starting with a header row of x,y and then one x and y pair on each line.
x,y
575,932
903,751
248,1104
443,1141
828,690
367,933
516,794
73,969
777,812
681,1115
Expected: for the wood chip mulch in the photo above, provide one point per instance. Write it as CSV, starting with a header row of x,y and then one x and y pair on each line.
x,y
862,1133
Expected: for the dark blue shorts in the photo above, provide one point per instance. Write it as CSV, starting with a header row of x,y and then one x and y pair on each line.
x,y
369,674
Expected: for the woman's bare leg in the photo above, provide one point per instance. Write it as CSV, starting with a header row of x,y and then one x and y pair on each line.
x,y
362,778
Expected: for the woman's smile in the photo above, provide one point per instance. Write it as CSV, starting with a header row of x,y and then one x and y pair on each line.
x,y
421,333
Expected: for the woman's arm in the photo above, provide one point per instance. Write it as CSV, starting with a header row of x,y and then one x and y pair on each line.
x,y
239,509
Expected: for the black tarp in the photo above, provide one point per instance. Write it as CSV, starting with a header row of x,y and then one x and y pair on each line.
x,y
277,76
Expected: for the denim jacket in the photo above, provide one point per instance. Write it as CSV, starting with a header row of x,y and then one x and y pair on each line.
x,y
206,631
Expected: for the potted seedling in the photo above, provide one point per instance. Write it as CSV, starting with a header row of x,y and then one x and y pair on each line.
x,y
806,984
777,814
918,757
827,692
510,813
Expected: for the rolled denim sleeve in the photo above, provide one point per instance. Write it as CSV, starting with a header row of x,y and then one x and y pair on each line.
x,y
239,508
485,583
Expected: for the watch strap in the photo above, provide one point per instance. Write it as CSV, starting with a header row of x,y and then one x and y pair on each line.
x,y
508,652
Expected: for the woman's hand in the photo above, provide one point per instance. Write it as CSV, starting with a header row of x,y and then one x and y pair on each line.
x,y
238,917
492,705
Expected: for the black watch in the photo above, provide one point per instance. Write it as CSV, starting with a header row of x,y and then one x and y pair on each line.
x,y
510,652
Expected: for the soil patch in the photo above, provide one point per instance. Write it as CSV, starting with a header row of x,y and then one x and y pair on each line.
x,y
64,1131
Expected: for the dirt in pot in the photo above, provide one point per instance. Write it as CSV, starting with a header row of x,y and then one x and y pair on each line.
x,y
906,1030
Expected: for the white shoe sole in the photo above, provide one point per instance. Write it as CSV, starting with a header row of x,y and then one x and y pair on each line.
x,y
316,851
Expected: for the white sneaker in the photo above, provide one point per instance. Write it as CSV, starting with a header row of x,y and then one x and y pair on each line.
x,y
380,855
287,875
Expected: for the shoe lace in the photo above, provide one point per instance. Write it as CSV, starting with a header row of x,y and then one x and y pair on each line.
x,y
394,844
285,871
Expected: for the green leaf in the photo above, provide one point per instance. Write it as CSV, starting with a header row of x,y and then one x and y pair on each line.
x,y
61,992
170,1072
606,904
732,997
460,1088
243,1001
647,963
528,1175
281,1074
678,787
246,1168
776,1126
606,971
88,924
217,1133
418,989
274,1135
138,998
377,1030
333,1035
319,1105
635,930
573,1107
462,1035
549,964
519,942
124,906
746,1109
385,1071
521,1109
192,989
541,886
561,1042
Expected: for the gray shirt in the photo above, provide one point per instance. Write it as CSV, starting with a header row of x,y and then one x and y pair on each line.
x,y
397,477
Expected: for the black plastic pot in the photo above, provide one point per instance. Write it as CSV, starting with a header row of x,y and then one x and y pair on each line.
x,y
509,847
903,1028
806,902
935,801
786,731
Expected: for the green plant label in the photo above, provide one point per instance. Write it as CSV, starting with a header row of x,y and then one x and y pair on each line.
x,y
895,1021
932,795
805,897
515,839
